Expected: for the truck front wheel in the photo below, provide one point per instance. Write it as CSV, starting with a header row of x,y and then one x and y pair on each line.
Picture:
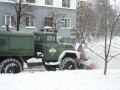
x,y
68,64
10,65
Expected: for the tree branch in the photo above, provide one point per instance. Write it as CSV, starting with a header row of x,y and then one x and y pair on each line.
x,y
113,57
112,34
95,53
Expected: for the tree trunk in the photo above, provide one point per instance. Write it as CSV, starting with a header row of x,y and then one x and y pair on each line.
x,y
18,22
105,67
19,15
17,27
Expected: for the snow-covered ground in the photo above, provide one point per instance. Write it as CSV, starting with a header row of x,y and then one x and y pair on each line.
x,y
62,80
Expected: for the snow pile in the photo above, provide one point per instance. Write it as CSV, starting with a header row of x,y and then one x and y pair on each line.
x,y
62,80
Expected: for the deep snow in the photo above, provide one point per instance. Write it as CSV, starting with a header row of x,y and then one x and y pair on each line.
x,y
62,80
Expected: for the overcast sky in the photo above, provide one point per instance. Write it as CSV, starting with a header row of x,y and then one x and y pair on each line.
x,y
117,1
117,4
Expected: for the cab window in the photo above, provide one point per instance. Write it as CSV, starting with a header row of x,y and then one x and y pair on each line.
x,y
51,39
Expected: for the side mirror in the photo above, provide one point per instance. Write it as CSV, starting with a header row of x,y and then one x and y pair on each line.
x,y
60,40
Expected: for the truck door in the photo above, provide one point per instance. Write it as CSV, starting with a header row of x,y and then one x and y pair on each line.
x,y
52,48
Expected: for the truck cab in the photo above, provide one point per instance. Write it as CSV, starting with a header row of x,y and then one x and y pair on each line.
x,y
55,54
48,45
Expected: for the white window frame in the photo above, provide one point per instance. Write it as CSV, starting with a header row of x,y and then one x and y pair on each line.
x,y
9,21
29,22
66,3
12,0
30,1
63,23
48,2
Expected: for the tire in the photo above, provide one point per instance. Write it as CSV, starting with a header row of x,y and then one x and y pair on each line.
x,y
68,64
10,65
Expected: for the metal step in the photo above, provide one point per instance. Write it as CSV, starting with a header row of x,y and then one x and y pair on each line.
x,y
35,69
34,64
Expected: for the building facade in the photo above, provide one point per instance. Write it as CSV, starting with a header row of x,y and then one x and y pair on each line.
x,y
41,17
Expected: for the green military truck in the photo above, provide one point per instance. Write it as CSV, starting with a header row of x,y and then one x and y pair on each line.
x,y
16,48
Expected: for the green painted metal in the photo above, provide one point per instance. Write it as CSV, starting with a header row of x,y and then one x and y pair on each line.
x,y
4,44
48,45
16,44
27,44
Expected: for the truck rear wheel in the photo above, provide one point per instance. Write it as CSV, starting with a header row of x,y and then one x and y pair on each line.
x,y
10,65
68,64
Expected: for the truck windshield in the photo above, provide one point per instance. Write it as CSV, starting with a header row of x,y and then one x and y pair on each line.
x,y
51,39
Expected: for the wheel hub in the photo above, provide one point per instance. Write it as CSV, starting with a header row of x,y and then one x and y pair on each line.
x,y
11,68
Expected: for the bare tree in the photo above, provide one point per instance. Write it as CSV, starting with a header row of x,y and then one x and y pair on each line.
x,y
22,9
86,20
57,19
109,34
106,21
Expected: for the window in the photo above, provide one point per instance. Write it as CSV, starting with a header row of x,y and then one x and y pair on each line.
x,y
48,21
30,21
12,0
78,3
30,1
82,3
51,39
8,20
66,22
65,3
48,2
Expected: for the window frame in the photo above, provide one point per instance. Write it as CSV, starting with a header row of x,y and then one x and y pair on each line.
x,y
30,1
66,3
8,21
30,21
48,2
63,23
12,0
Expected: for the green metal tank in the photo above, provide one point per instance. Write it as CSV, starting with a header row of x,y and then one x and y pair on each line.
x,y
16,44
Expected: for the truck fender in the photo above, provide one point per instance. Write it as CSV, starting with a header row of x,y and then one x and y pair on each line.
x,y
76,53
